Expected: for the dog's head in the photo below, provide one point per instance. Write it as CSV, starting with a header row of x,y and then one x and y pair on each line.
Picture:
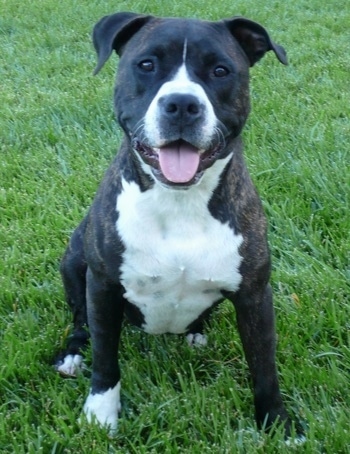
x,y
182,87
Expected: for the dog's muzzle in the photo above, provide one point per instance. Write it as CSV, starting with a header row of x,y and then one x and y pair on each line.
x,y
180,138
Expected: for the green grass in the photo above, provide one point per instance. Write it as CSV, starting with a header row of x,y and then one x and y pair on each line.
x,y
58,135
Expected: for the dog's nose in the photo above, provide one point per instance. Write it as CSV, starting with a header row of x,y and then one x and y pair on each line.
x,y
178,107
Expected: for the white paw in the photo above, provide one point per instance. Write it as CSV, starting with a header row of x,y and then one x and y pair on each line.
x,y
196,340
70,366
297,441
104,407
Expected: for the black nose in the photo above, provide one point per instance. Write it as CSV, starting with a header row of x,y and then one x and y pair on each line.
x,y
184,108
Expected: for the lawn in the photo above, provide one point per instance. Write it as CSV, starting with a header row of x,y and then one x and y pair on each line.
x,y
58,135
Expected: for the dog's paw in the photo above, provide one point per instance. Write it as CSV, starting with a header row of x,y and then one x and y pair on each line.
x,y
70,365
297,441
197,340
103,408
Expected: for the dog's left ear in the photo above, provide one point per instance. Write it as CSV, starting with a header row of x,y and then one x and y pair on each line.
x,y
254,39
112,33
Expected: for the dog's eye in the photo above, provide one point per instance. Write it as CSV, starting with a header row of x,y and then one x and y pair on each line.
x,y
220,71
146,65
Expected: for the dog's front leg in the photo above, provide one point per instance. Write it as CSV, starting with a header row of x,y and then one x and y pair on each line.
x,y
105,306
255,318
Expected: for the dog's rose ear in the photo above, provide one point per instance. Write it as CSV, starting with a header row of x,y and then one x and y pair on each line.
x,y
254,40
112,32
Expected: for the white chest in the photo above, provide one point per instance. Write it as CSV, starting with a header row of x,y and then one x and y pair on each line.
x,y
177,257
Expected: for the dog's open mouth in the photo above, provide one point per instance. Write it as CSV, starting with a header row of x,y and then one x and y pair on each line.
x,y
178,163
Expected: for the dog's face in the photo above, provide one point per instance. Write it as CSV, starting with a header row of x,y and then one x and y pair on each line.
x,y
199,84
182,90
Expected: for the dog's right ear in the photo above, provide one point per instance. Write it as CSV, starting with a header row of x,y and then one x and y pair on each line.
x,y
112,32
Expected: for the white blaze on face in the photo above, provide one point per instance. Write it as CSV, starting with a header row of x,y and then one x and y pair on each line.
x,y
179,161
184,52
180,84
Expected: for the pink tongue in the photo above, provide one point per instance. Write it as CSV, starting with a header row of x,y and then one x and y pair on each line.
x,y
179,162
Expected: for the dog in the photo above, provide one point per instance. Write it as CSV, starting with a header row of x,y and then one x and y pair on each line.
x,y
177,225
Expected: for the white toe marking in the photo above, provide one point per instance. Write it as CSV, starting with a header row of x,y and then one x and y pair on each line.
x,y
301,439
104,407
197,340
71,365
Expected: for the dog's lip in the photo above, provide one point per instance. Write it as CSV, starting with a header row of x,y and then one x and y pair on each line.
x,y
150,155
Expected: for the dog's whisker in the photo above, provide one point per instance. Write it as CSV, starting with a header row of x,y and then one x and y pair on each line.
x,y
139,128
220,137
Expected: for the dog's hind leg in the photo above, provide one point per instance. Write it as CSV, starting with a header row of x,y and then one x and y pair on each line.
x,y
73,271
